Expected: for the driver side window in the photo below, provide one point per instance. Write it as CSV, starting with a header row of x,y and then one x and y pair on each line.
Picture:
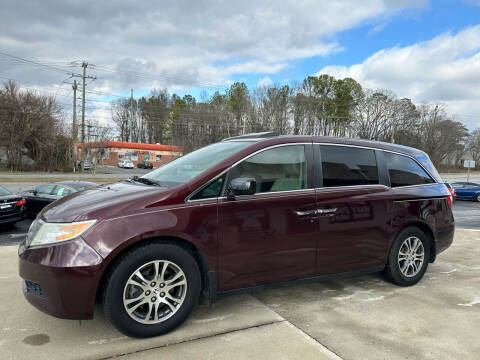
x,y
281,168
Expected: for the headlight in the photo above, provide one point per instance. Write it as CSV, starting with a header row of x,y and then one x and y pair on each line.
x,y
43,233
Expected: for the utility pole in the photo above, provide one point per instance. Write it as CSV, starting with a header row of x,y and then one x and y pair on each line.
x,y
84,66
84,77
74,124
131,107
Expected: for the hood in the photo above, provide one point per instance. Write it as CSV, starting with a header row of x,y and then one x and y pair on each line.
x,y
105,201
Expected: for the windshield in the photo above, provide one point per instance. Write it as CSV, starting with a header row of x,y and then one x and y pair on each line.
x,y
4,191
187,167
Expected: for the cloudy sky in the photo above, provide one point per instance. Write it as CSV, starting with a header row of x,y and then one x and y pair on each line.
x,y
428,51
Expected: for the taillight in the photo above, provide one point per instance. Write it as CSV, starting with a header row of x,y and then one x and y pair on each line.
x,y
21,202
450,200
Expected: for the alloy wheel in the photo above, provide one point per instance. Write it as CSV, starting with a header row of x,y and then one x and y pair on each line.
x,y
154,292
411,256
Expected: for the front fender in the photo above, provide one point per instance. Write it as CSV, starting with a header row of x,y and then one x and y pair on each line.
x,y
196,223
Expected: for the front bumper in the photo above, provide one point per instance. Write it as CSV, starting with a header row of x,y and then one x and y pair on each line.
x,y
61,280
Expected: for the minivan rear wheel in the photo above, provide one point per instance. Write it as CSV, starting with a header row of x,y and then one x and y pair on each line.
x,y
151,289
408,257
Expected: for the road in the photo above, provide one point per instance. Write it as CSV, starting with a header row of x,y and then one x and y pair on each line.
x,y
102,171
467,214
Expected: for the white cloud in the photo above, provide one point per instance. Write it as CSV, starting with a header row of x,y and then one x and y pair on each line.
x,y
264,81
445,69
181,42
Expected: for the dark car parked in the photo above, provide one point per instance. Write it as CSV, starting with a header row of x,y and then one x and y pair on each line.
x,y
12,207
467,190
45,194
246,212
145,165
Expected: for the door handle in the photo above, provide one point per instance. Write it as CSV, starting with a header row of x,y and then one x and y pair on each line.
x,y
327,211
306,213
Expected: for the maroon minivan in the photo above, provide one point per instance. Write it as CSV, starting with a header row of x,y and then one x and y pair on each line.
x,y
243,213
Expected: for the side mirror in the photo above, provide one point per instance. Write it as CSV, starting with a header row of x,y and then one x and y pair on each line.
x,y
242,186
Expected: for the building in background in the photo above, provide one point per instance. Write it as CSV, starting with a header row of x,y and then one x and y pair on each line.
x,y
111,152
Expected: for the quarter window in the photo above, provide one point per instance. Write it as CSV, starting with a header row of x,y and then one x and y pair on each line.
x,y
348,166
403,171
212,190
277,169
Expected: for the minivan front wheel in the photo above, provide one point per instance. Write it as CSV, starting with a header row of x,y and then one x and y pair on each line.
x,y
408,257
151,290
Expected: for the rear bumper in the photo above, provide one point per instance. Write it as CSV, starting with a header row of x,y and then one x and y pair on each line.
x,y
444,238
12,217
61,280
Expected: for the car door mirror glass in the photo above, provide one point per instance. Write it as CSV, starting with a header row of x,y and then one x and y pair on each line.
x,y
242,186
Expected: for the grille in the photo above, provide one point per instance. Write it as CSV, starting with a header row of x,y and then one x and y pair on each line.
x,y
34,288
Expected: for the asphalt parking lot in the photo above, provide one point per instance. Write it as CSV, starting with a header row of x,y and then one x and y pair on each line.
x,y
356,318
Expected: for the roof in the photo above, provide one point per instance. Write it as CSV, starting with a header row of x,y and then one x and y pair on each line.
x,y
132,145
275,138
254,136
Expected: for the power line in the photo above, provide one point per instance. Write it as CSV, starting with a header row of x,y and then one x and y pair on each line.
x,y
151,76
33,63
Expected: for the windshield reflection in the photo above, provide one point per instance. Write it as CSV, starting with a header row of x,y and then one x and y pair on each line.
x,y
185,168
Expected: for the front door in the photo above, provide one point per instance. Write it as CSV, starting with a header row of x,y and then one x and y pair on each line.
x,y
269,236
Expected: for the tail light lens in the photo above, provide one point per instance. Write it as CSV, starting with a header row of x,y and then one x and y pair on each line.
x,y
21,202
450,200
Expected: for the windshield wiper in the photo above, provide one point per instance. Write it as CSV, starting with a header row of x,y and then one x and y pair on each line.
x,y
145,181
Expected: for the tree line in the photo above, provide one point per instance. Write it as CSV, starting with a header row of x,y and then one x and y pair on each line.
x,y
36,127
320,105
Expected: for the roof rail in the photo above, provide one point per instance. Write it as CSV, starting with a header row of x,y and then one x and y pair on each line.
x,y
259,135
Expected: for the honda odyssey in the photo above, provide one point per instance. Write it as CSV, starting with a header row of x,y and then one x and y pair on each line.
x,y
244,213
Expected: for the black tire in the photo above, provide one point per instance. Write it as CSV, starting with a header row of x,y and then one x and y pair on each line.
x,y
478,197
126,265
392,272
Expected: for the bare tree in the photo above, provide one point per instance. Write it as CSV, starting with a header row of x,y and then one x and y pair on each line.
x,y
32,125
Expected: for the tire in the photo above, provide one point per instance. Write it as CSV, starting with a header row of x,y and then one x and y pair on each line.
x,y
167,308
477,197
405,270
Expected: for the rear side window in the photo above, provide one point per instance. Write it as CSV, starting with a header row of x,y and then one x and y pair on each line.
x,y
348,166
45,189
404,171
62,191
